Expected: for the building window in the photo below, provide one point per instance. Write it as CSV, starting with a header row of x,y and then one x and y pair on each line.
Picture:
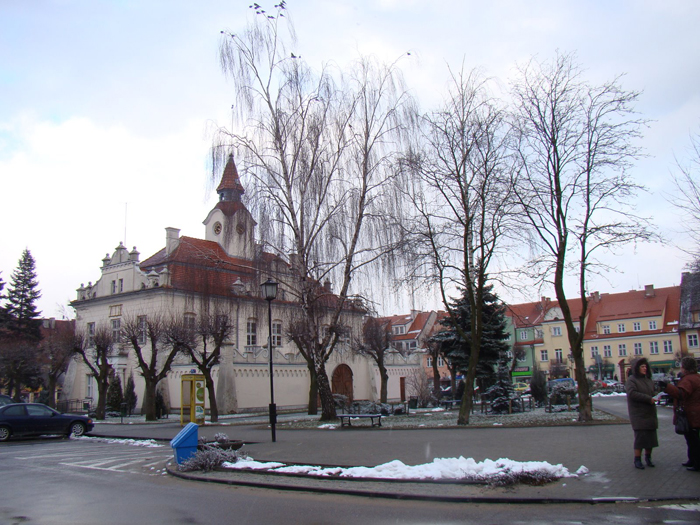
x,y
251,332
91,334
621,328
540,334
653,347
523,335
594,351
668,347
398,330
607,351
429,362
558,355
115,310
121,285
692,340
276,333
412,345
114,287
556,330
143,332
637,348
116,330
88,386
190,322
544,355
606,329
441,361
652,325
522,357
637,326
622,350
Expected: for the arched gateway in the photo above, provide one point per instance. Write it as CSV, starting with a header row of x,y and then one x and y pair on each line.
x,y
342,381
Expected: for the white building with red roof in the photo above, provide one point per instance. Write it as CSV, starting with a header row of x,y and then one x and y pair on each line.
x,y
222,272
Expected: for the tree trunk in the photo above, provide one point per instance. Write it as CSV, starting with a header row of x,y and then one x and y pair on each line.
x,y
585,403
213,410
326,394
148,407
436,379
102,386
384,378
51,390
313,391
465,408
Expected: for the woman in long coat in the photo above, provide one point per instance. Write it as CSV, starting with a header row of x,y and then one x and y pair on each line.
x,y
687,394
641,406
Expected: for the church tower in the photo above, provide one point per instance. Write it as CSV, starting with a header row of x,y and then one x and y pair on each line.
x,y
230,223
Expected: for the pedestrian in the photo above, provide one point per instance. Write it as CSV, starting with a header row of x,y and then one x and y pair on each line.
x,y
641,406
687,394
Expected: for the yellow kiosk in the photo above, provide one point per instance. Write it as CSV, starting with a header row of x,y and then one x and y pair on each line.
x,y
192,399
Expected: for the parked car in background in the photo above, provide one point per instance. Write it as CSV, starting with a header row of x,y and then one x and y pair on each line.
x,y
521,388
35,419
5,400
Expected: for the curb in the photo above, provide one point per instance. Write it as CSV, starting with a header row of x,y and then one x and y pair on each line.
x,y
416,497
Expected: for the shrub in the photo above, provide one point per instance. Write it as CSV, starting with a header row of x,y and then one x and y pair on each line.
x,y
209,458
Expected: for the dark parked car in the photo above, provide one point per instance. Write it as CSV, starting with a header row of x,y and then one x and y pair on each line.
x,y
5,400
35,419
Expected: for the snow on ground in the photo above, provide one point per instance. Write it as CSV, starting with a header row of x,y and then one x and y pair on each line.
x,y
610,394
149,443
455,469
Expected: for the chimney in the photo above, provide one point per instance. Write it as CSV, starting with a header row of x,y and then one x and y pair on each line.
x,y
649,290
327,286
172,240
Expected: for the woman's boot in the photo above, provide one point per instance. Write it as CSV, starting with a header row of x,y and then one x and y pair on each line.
x,y
648,460
638,462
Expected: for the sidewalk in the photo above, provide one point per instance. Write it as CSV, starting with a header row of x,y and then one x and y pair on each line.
x,y
606,450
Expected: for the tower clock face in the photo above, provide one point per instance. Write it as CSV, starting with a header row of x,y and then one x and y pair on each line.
x,y
217,228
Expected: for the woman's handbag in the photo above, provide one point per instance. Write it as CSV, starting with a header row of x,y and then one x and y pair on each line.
x,y
682,425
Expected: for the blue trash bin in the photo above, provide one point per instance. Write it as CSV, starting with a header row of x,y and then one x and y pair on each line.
x,y
185,443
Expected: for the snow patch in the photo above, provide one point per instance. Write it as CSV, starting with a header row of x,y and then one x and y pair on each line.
x,y
463,469
328,426
149,443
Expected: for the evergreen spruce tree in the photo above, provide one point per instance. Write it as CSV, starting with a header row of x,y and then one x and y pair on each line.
x,y
502,391
22,295
130,397
114,394
20,330
493,345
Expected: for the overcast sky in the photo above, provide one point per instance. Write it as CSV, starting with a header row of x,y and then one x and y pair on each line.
x,y
106,107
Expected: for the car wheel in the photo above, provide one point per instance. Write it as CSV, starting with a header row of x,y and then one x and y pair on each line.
x,y
4,433
77,429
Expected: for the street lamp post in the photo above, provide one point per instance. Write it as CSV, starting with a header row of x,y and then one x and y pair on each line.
x,y
269,290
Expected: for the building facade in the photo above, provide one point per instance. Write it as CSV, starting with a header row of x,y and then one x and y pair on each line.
x,y
219,275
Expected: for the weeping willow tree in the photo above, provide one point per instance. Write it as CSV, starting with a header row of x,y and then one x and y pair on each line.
x,y
317,150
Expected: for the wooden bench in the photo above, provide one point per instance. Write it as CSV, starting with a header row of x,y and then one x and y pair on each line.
x,y
371,417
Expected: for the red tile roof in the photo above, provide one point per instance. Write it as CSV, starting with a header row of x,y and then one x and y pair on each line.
x,y
230,180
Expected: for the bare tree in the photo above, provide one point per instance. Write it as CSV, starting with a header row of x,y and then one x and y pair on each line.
x,y
463,203
320,159
376,344
575,143
96,354
154,352
687,200
56,351
203,343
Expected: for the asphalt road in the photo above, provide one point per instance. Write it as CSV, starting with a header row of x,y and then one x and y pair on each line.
x,y
57,481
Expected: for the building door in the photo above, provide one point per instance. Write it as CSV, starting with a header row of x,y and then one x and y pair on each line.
x,y
342,381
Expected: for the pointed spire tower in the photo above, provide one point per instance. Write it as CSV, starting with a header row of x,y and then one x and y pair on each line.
x,y
230,188
230,223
